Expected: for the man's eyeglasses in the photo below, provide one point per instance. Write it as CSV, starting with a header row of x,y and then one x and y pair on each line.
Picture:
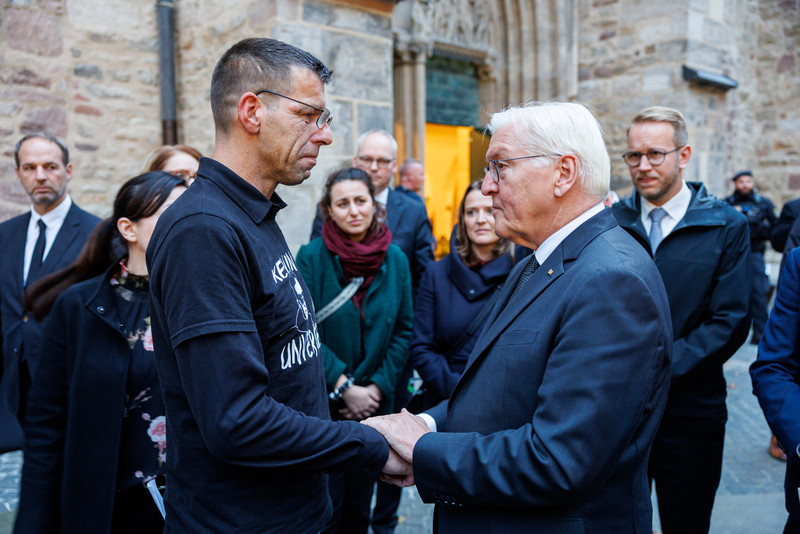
x,y
324,113
655,157
495,172
382,163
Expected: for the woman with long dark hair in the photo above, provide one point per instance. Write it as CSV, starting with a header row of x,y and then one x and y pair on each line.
x,y
94,433
365,337
453,292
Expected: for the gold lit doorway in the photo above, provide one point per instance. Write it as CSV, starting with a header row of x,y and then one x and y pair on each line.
x,y
454,156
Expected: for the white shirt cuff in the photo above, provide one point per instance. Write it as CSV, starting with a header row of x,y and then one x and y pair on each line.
x,y
428,421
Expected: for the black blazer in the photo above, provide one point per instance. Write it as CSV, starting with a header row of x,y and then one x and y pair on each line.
x,y
16,328
73,427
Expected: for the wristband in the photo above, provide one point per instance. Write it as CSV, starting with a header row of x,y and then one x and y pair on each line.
x,y
338,393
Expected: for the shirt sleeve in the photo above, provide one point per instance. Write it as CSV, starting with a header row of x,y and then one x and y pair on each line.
x,y
240,423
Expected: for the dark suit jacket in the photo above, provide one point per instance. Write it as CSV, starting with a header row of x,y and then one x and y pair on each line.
x,y
17,329
776,370
782,227
550,427
411,231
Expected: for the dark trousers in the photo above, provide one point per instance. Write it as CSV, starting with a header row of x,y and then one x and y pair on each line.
x,y
387,498
686,464
135,512
351,493
758,292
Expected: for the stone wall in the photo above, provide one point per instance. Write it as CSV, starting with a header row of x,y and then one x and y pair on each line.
x,y
87,71
631,56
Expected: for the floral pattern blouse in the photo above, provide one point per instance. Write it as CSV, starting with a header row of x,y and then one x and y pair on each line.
x,y
143,444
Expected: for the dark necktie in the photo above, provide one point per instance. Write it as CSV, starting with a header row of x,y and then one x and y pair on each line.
x,y
38,254
656,234
527,272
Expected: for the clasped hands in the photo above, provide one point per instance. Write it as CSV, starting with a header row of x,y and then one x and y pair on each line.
x,y
402,431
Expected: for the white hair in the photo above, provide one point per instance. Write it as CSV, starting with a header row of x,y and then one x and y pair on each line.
x,y
561,128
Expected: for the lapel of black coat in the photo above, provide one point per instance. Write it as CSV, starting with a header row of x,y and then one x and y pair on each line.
x,y
18,237
507,310
68,233
394,209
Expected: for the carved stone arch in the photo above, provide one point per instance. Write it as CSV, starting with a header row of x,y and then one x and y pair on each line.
x,y
522,50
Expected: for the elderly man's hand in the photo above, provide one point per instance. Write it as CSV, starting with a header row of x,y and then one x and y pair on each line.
x,y
401,430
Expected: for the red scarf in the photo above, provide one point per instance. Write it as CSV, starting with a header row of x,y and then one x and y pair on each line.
x,y
358,259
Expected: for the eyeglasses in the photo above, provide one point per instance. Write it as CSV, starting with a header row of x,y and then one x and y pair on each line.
x,y
382,163
495,172
655,157
324,113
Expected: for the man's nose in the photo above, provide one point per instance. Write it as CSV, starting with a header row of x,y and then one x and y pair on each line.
x,y
644,163
488,187
323,136
40,173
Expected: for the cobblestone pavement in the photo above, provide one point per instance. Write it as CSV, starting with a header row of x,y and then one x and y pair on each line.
x,y
749,500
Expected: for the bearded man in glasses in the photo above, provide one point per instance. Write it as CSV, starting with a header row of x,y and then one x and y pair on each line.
x,y
701,246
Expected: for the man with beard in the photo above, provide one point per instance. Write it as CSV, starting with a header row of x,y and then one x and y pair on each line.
x,y
760,214
35,244
701,247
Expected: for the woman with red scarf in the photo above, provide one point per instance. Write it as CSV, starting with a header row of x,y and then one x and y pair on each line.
x,y
365,339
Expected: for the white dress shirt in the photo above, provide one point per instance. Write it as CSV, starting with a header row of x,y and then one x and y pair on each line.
x,y
675,207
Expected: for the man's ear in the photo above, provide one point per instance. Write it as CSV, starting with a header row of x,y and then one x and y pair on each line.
x,y
247,112
566,174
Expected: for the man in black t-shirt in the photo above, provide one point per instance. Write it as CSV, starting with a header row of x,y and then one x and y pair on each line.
x,y
235,336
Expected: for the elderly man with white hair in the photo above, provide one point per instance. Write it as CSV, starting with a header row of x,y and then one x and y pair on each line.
x,y
550,426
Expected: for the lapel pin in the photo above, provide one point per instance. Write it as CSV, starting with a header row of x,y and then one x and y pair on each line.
x,y
550,272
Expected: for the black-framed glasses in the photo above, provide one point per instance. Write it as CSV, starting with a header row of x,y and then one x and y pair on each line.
x,y
655,157
324,113
382,163
495,172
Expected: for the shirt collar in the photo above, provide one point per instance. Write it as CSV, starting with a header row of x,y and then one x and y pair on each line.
x,y
675,207
54,217
383,197
248,198
550,244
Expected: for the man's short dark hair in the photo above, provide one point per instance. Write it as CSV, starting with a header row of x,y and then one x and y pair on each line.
x,y
43,135
256,64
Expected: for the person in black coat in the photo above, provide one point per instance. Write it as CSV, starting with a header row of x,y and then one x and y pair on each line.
x,y
452,294
95,432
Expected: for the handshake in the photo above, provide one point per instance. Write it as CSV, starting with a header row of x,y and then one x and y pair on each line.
x,y
401,430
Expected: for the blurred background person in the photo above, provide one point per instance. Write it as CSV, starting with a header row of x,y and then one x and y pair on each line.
x,y
760,214
180,160
455,295
365,338
412,179
96,427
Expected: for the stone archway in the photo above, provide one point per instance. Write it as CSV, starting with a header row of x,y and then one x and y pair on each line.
x,y
522,50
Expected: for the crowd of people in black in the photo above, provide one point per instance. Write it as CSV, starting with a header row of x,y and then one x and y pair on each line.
x,y
174,367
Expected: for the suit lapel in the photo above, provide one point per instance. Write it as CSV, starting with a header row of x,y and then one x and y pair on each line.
x,y
17,252
507,310
393,211
66,235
